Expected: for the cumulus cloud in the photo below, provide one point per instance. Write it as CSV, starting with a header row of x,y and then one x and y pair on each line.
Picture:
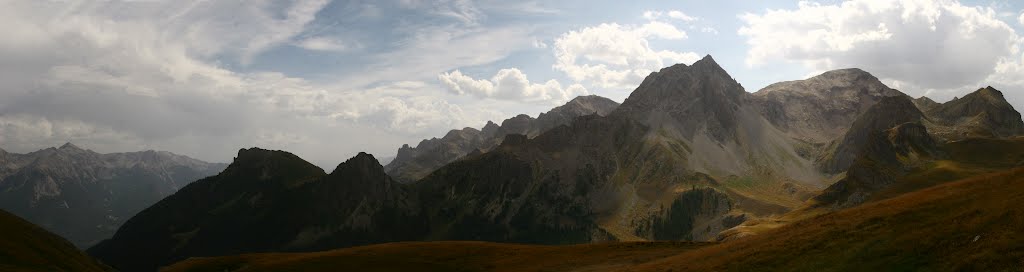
x,y
920,44
617,56
510,84
1021,18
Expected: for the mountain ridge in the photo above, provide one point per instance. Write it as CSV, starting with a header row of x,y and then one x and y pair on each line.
x,y
84,195
414,163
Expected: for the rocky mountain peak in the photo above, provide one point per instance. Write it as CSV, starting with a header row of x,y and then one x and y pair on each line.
x,y
489,129
271,165
849,73
992,94
984,112
587,104
69,146
361,165
823,107
925,104
707,63
702,96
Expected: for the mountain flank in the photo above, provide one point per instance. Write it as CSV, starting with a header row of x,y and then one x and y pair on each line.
x,y
27,247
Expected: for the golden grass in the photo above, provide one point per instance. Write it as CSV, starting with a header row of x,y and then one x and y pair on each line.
x,y
449,256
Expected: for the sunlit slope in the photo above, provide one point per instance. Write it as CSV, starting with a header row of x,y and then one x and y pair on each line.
x,y
448,256
27,247
975,224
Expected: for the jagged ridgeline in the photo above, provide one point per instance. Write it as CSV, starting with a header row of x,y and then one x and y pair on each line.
x,y
414,163
688,155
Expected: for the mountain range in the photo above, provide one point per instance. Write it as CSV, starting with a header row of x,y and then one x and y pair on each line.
x,y
85,196
413,163
689,155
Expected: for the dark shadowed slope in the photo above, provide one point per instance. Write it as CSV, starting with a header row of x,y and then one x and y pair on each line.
x,y
414,163
268,201
972,225
27,247
85,196
207,216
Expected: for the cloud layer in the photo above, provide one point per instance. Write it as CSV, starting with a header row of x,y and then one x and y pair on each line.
x,y
617,56
511,84
122,76
924,43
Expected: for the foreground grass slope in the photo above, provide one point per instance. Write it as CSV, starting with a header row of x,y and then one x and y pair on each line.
x,y
975,224
27,247
449,256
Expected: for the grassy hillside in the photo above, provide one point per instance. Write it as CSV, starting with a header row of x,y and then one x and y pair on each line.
x,y
449,256
27,247
975,224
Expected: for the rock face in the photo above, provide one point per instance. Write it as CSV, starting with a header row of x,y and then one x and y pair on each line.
x,y
414,163
887,113
900,133
267,201
688,99
821,108
885,156
682,220
85,196
983,113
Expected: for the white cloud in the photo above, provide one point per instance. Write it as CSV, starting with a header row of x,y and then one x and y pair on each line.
x,y
617,56
322,44
510,84
1021,18
673,14
124,76
430,50
924,44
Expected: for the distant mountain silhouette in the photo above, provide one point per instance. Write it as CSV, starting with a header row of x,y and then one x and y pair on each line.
x,y
85,196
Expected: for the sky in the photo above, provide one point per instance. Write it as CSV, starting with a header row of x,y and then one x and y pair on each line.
x,y
326,79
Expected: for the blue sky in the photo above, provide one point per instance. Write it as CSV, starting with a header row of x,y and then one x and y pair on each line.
x,y
326,79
